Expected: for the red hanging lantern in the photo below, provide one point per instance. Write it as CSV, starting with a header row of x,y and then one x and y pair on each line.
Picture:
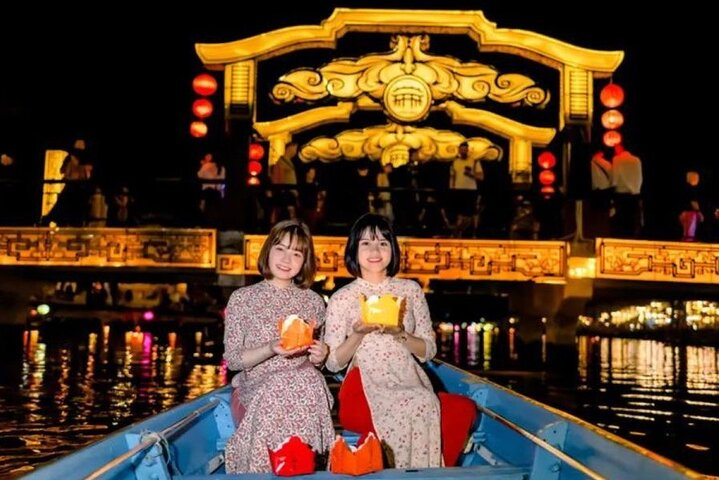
x,y
198,129
202,108
547,190
612,138
612,95
204,84
612,119
253,181
547,177
546,159
254,168
256,151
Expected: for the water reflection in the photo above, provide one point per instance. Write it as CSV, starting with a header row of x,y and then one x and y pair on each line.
x,y
660,395
64,388
69,388
467,345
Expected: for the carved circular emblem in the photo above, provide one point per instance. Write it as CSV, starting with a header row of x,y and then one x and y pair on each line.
x,y
407,98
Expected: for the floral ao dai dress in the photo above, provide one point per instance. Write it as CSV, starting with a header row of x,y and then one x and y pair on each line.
x,y
282,396
405,410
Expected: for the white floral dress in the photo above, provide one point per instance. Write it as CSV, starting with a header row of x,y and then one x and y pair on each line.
x,y
282,396
405,410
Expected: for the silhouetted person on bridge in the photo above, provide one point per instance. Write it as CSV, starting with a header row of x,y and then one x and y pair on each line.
x,y
627,183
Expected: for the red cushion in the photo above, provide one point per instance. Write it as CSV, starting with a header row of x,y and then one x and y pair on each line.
x,y
458,415
353,411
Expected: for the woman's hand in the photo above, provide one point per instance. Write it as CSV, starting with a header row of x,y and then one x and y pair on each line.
x,y
393,330
318,352
362,328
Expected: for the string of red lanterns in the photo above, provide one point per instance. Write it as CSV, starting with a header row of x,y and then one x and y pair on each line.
x,y
547,161
612,96
204,85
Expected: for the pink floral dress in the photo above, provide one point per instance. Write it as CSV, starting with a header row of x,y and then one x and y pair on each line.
x,y
405,410
282,396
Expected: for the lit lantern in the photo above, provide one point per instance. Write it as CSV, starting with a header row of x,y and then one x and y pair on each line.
x,y
198,129
612,138
254,168
253,181
202,108
547,177
546,159
547,191
204,84
612,95
256,151
612,119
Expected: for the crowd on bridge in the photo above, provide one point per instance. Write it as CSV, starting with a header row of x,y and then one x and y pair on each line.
x,y
465,198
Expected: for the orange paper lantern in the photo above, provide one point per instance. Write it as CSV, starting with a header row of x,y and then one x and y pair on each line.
x,y
366,458
295,332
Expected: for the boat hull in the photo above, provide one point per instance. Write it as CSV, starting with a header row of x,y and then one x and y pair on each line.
x,y
515,438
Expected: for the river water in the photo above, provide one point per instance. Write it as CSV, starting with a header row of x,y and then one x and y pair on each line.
x,y
65,385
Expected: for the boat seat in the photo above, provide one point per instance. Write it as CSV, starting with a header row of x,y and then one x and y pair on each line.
x,y
458,415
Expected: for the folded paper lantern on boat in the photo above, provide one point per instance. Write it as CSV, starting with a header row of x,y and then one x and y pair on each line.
x,y
295,332
292,457
366,457
381,310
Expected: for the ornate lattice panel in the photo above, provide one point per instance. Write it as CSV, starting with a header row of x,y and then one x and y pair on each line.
x,y
108,247
433,259
657,261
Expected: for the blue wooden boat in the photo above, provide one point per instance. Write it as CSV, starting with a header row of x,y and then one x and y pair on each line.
x,y
515,438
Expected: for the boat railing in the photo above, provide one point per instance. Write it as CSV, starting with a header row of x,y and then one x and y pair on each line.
x,y
151,439
541,443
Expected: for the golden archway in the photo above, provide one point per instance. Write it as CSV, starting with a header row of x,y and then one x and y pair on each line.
x,y
408,82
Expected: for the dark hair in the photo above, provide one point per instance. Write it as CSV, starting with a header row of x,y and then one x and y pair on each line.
x,y
464,144
299,232
375,224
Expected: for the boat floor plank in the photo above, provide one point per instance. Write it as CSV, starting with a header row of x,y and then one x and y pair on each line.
x,y
485,472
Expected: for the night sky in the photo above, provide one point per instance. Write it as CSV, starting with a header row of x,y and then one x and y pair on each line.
x,y
121,77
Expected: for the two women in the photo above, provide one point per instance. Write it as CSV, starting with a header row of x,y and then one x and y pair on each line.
x,y
283,393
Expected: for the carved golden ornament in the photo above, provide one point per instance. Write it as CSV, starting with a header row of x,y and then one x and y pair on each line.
x,y
657,261
392,143
108,247
407,99
427,259
410,75
577,66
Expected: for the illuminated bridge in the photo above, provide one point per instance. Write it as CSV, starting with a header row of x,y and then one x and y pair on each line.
x,y
195,251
